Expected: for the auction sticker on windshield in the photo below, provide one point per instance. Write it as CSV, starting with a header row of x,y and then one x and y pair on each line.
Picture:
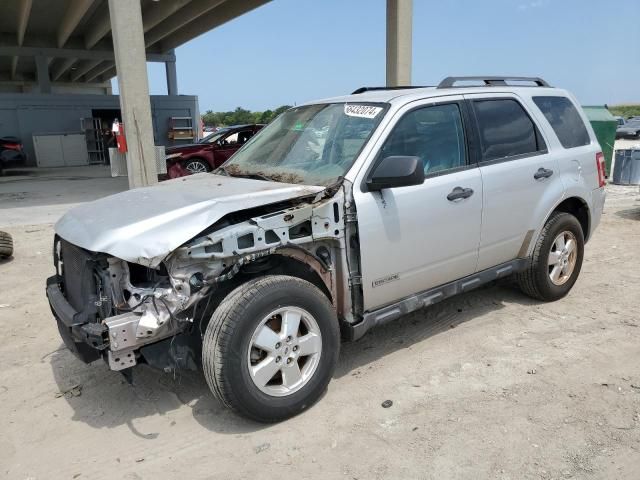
x,y
363,111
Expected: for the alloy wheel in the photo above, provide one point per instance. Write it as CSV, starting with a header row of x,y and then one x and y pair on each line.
x,y
284,351
196,167
562,258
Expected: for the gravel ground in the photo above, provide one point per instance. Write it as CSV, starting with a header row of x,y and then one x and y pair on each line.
x,y
487,385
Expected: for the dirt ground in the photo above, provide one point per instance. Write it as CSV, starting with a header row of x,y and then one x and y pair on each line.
x,y
488,385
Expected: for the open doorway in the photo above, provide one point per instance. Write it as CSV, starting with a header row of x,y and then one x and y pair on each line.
x,y
99,135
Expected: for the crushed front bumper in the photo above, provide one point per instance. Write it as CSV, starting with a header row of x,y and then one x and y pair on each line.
x,y
86,340
113,339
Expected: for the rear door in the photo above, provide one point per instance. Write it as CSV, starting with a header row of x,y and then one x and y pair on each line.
x,y
521,178
417,237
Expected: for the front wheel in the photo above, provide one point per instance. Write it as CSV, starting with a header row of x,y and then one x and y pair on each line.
x,y
271,348
556,261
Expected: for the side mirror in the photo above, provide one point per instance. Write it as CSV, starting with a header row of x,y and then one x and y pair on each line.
x,y
396,171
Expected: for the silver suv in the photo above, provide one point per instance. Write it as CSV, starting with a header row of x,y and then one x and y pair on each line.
x,y
340,215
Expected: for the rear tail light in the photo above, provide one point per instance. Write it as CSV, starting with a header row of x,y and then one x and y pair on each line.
x,y
601,169
13,146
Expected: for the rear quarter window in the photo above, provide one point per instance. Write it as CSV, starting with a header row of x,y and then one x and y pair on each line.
x,y
565,120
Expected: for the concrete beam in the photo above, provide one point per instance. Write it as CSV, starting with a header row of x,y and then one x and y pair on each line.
x,y
14,66
172,78
83,68
156,12
128,45
61,67
5,81
181,18
212,19
98,28
75,53
108,74
75,12
399,42
42,68
22,21
99,70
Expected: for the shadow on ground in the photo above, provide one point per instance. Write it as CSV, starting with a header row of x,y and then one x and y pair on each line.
x,y
104,399
15,172
629,214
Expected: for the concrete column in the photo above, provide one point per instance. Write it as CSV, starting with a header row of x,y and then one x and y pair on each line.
x,y
42,69
131,67
172,77
399,42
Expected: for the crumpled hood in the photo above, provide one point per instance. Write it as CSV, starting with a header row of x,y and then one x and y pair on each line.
x,y
144,225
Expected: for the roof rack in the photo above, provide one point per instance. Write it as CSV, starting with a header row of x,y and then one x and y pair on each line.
x,y
450,82
369,89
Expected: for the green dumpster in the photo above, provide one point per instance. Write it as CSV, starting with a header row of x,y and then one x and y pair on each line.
x,y
604,124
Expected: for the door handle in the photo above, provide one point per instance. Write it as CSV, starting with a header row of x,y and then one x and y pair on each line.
x,y
542,173
459,193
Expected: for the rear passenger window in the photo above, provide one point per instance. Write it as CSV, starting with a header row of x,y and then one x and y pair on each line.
x,y
505,129
565,120
434,133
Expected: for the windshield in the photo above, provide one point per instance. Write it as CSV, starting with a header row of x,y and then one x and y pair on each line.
x,y
214,136
312,145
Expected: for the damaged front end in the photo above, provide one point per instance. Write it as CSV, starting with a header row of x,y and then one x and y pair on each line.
x,y
107,307
127,313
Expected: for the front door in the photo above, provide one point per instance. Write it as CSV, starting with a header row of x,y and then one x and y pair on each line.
x,y
418,237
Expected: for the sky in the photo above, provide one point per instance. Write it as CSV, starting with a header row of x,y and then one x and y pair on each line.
x,y
294,51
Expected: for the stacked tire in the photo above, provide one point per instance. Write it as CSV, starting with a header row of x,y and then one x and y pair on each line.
x,y
6,245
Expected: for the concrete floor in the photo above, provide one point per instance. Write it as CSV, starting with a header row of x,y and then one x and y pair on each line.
x,y
486,385
33,196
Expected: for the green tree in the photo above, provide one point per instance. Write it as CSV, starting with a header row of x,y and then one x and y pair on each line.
x,y
240,116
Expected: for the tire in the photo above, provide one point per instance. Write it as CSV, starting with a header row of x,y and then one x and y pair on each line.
x,y
6,245
196,165
227,352
536,280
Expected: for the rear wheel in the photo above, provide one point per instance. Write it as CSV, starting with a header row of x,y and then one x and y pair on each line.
x,y
557,259
196,166
271,347
6,245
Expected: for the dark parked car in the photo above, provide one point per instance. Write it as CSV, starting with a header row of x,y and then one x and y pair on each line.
x,y
11,153
210,152
630,129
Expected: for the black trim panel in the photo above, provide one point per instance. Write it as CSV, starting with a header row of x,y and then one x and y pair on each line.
x,y
429,297
60,307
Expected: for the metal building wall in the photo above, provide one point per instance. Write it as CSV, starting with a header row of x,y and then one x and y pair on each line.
x,y
23,115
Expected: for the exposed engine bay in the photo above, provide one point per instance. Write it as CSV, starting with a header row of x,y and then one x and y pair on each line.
x,y
131,313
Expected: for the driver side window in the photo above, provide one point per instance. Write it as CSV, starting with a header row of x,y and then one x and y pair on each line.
x,y
434,133
231,139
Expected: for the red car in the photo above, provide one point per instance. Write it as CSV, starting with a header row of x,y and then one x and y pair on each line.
x,y
208,153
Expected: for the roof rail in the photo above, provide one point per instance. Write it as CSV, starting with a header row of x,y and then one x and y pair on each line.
x,y
369,89
450,82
